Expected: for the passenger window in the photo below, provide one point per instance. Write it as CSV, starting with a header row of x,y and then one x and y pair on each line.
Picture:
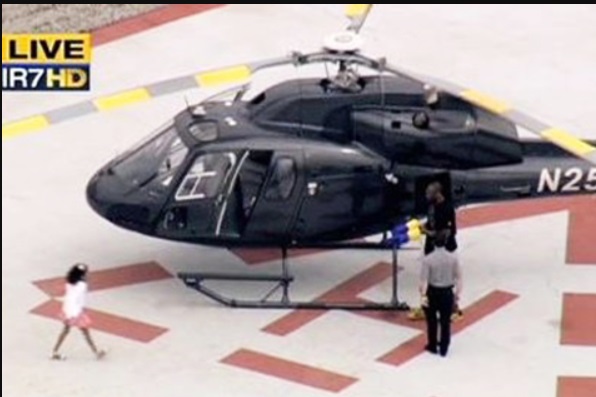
x,y
207,176
283,179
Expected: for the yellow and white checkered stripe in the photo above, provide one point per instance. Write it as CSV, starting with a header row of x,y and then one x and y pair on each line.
x,y
242,73
230,75
357,13
555,135
357,10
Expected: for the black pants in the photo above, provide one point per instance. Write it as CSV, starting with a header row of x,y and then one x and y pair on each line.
x,y
429,245
440,303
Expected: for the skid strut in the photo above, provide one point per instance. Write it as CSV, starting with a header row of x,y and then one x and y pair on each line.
x,y
282,283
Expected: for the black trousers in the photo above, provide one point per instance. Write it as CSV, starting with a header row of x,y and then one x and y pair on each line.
x,y
439,311
429,245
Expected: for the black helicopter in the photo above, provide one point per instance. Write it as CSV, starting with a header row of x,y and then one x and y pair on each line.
x,y
319,161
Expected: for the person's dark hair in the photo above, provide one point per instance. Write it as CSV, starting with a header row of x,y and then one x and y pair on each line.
x,y
77,273
433,190
441,239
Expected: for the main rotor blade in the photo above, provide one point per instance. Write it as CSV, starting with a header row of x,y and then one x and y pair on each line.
x,y
554,135
357,13
209,79
557,136
242,73
233,75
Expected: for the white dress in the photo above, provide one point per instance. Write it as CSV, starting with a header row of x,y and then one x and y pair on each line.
x,y
73,306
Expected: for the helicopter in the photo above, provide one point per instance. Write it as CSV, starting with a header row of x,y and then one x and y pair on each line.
x,y
316,162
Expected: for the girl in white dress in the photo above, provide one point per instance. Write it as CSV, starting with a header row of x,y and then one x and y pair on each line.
x,y
73,311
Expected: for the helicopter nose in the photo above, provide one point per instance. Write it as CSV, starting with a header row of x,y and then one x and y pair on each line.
x,y
111,198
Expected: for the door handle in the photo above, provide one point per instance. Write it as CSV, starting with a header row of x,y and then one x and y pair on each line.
x,y
523,190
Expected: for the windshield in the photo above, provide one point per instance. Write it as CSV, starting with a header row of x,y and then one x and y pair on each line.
x,y
207,177
155,161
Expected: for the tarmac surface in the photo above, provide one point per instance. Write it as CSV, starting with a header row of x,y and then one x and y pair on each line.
x,y
52,18
530,268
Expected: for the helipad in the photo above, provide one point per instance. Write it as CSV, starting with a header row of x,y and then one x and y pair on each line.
x,y
530,268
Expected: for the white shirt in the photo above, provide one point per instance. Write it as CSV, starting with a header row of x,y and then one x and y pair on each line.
x,y
440,269
74,300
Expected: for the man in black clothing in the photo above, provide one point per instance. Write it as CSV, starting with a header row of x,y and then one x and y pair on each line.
x,y
441,219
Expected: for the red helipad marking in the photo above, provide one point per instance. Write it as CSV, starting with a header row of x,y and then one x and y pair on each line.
x,y
109,323
107,279
475,313
152,19
110,278
579,320
582,232
582,225
345,292
582,221
577,387
290,371
349,291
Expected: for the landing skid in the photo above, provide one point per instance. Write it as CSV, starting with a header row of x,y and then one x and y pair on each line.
x,y
282,284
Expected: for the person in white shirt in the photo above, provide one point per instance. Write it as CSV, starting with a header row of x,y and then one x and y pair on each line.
x,y
73,310
440,288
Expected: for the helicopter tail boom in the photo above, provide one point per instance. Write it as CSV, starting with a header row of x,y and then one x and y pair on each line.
x,y
546,171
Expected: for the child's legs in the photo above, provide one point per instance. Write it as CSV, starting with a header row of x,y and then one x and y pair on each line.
x,y
62,337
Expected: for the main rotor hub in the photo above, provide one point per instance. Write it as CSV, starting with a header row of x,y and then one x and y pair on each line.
x,y
344,42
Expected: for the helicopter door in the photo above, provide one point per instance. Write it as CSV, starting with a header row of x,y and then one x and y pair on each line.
x,y
342,197
200,197
273,214
243,193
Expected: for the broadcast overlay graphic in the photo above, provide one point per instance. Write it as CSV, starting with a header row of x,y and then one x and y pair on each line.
x,y
46,62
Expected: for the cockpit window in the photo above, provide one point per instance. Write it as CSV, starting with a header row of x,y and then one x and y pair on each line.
x,y
207,177
154,161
